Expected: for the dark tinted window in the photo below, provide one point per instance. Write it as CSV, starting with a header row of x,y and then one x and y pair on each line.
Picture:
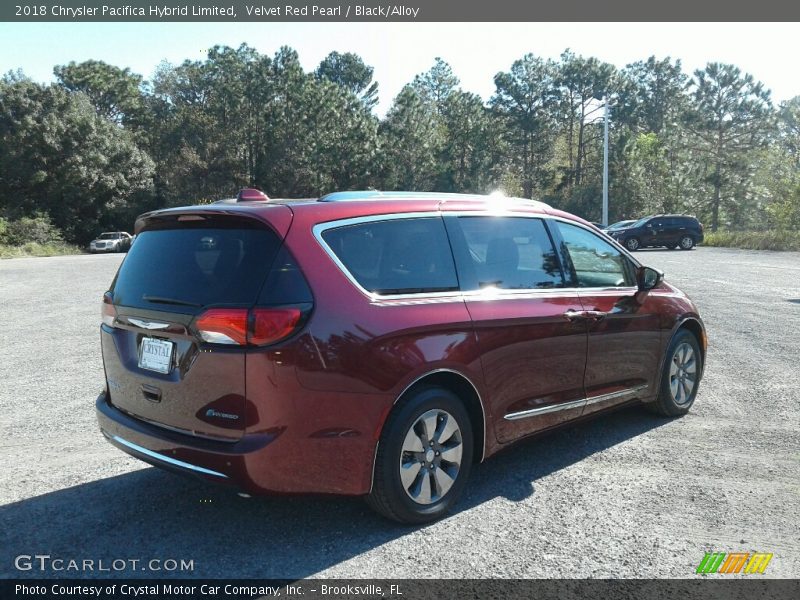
x,y
183,270
399,256
511,253
285,283
596,262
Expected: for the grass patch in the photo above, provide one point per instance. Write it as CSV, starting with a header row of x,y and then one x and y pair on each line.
x,y
754,240
37,249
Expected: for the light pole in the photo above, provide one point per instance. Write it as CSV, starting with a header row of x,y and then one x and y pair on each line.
x,y
605,160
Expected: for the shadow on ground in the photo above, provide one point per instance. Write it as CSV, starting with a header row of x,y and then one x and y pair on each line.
x,y
152,514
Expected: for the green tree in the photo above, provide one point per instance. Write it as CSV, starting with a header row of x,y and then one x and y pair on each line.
x,y
410,137
730,118
523,102
59,157
436,85
115,93
349,71
580,80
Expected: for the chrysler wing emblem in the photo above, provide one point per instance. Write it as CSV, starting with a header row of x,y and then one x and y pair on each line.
x,y
147,324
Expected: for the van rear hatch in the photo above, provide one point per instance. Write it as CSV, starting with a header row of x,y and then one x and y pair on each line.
x,y
177,319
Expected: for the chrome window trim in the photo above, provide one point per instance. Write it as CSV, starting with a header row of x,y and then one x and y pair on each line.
x,y
320,228
581,403
166,459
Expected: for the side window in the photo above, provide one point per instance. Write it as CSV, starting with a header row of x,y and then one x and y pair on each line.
x,y
397,256
596,262
510,253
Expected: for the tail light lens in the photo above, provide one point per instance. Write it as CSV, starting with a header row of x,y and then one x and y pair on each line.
x,y
273,324
107,311
239,326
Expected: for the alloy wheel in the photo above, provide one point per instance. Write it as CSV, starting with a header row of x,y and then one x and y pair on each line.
x,y
430,459
683,373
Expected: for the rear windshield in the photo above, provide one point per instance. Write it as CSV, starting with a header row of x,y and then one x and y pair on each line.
x,y
184,270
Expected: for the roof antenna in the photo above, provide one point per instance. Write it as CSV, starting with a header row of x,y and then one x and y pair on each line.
x,y
251,194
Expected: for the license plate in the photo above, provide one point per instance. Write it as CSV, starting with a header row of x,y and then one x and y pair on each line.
x,y
155,355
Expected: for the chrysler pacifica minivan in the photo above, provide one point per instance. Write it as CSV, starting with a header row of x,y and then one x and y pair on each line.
x,y
378,344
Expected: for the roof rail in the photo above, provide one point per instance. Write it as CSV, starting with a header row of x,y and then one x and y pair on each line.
x,y
376,194
359,195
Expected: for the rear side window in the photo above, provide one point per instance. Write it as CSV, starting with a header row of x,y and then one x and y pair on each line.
x,y
286,283
510,253
184,270
398,256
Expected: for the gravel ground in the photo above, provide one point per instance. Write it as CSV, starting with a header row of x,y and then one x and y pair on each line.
x,y
626,495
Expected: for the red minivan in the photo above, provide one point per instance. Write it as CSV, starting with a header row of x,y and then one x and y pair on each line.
x,y
378,344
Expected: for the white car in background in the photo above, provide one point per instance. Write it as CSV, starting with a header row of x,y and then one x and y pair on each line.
x,y
111,241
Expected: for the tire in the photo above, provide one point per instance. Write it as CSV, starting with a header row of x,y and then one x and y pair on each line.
x,y
686,242
683,365
426,492
632,244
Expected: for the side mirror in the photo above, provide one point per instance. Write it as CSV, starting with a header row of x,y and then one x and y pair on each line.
x,y
647,278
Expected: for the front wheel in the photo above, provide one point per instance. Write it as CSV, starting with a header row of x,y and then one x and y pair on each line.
x,y
632,244
423,457
680,378
687,242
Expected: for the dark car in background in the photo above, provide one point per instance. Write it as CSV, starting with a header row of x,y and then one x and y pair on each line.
x,y
378,344
669,231
111,241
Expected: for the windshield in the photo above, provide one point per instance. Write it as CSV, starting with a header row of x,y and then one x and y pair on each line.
x,y
108,236
641,222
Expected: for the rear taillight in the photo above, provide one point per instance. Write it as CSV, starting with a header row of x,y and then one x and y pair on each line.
x,y
239,326
273,324
107,311
223,326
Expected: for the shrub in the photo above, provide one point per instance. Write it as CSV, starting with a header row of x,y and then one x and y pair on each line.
x,y
38,229
754,240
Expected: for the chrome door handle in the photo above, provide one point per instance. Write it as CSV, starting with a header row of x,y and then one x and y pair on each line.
x,y
575,315
595,315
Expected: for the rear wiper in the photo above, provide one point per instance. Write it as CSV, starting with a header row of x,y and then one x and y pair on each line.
x,y
162,300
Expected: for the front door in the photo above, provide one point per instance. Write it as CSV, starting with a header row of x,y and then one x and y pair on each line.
x,y
530,332
624,334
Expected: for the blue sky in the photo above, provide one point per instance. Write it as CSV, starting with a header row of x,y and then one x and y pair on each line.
x,y
398,51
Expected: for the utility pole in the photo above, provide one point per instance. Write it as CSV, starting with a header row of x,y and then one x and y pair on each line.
x,y
605,160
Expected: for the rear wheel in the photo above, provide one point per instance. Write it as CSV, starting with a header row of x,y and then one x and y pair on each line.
x,y
424,457
687,242
680,378
632,244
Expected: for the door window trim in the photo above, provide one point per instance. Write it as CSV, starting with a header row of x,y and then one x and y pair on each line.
x,y
472,295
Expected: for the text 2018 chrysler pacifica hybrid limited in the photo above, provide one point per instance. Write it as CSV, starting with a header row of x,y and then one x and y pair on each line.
x,y
378,344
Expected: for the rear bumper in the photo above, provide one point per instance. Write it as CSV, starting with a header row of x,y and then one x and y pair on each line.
x,y
221,462
259,463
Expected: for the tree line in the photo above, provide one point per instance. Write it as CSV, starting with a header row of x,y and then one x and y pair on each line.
x,y
101,145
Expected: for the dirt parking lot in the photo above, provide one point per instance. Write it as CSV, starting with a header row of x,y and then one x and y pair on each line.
x,y
626,495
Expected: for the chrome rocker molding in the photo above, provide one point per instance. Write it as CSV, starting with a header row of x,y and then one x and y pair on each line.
x,y
535,412
166,459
